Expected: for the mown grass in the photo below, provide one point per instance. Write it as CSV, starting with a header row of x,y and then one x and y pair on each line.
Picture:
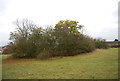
x,y
4,56
100,64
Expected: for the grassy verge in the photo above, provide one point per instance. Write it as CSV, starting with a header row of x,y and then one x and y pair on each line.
x,y
100,64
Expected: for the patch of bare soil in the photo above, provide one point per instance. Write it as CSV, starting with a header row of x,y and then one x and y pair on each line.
x,y
7,61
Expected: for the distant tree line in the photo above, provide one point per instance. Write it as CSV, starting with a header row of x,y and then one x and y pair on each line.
x,y
65,39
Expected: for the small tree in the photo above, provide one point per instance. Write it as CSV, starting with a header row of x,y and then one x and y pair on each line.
x,y
23,45
116,40
69,39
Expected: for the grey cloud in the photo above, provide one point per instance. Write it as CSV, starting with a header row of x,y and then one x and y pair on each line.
x,y
108,33
4,38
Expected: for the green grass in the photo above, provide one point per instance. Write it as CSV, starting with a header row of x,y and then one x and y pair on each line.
x,y
100,64
4,56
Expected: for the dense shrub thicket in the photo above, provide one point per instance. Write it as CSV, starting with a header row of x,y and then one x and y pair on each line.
x,y
100,43
65,39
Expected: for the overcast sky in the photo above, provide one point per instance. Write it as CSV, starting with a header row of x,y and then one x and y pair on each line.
x,y
99,17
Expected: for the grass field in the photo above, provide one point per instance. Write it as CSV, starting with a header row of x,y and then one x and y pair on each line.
x,y
2,57
100,64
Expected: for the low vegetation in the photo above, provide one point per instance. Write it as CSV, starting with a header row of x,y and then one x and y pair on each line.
x,y
99,64
65,39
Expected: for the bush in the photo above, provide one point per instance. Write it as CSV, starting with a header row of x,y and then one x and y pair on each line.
x,y
73,45
86,45
100,43
44,55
